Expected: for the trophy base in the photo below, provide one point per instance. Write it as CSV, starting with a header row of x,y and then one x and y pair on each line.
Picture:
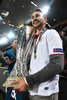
x,y
9,80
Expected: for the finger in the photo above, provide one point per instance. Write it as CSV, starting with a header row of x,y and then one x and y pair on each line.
x,y
17,87
23,89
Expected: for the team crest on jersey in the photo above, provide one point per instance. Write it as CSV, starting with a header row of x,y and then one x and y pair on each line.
x,y
58,50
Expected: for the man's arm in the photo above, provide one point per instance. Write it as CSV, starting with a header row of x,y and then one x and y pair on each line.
x,y
55,67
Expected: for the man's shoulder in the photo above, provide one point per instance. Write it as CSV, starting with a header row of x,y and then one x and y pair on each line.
x,y
9,51
51,32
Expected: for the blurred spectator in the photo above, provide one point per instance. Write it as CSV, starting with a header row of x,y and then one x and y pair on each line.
x,y
64,39
11,54
64,30
2,61
63,75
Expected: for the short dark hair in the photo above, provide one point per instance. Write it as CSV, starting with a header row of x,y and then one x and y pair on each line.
x,y
39,10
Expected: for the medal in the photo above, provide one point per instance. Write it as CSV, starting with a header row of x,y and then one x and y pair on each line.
x,y
36,43
34,55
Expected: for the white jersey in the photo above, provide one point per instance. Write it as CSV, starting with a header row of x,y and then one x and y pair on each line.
x,y
49,44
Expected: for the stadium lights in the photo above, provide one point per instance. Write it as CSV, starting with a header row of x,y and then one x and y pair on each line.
x,y
5,14
3,40
45,10
33,4
11,35
1,18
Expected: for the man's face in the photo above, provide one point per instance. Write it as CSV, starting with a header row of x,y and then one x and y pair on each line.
x,y
38,19
14,44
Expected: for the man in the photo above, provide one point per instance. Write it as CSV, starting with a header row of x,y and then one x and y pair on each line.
x,y
11,54
47,62
64,39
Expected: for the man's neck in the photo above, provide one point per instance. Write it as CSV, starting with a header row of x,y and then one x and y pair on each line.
x,y
39,29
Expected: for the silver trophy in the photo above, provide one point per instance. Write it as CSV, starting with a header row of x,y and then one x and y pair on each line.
x,y
23,50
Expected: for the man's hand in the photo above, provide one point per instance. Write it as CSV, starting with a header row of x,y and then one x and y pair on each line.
x,y
22,86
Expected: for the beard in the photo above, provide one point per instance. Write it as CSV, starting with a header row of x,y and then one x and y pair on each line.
x,y
37,24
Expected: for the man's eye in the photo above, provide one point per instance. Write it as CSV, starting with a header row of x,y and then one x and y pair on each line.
x,y
37,15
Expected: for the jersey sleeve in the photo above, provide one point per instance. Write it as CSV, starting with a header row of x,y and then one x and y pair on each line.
x,y
54,43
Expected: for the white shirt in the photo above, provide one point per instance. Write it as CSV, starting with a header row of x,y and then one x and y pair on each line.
x,y
49,44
